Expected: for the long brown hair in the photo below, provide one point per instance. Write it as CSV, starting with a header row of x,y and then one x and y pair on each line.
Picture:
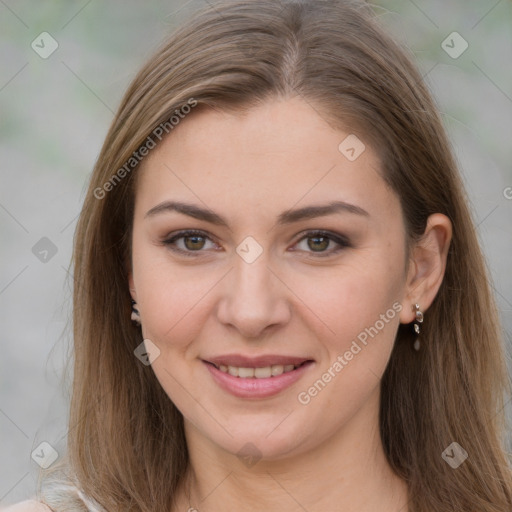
x,y
126,445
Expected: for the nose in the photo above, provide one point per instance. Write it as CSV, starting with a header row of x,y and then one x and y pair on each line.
x,y
254,299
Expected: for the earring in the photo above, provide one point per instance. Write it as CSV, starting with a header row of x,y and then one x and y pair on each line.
x,y
416,326
135,313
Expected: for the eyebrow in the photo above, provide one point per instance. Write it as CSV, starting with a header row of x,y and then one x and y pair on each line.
x,y
287,217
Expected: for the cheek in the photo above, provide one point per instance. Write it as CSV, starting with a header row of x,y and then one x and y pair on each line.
x,y
345,300
174,316
172,299
363,311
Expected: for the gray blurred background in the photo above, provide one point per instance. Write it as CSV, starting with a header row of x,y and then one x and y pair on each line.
x,y
56,107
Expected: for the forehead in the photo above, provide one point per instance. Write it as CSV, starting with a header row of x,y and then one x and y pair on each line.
x,y
279,153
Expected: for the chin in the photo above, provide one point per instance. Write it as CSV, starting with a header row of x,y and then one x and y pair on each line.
x,y
264,439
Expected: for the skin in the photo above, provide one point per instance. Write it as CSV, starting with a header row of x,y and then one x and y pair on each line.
x,y
326,454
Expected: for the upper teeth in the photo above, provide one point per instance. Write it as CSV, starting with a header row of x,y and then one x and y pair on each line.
x,y
259,373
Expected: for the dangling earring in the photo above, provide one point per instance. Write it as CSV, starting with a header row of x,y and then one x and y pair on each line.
x,y
135,313
416,326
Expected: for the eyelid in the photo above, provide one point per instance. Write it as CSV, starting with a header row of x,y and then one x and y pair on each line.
x,y
342,241
171,239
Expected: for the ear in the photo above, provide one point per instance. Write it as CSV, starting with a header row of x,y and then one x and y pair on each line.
x,y
427,265
131,284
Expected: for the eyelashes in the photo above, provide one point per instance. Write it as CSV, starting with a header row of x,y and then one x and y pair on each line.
x,y
325,236
198,240
188,234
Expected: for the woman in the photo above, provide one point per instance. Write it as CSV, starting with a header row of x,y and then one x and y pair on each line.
x,y
279,298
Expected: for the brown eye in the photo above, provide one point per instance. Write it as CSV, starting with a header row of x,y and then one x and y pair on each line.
x,y
323,243
194,242
189,242
318,243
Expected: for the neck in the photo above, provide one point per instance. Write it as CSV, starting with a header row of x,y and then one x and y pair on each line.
x,y
347,471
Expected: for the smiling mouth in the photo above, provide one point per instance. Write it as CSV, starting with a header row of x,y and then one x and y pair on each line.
x,y
264,372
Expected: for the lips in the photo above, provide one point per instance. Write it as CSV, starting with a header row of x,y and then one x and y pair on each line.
x,y
260,367
256,377
242,361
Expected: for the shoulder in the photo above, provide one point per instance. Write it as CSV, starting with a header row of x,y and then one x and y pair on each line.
x,y
27,506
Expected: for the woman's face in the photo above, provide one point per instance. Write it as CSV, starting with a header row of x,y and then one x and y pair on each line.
x,y
255,290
